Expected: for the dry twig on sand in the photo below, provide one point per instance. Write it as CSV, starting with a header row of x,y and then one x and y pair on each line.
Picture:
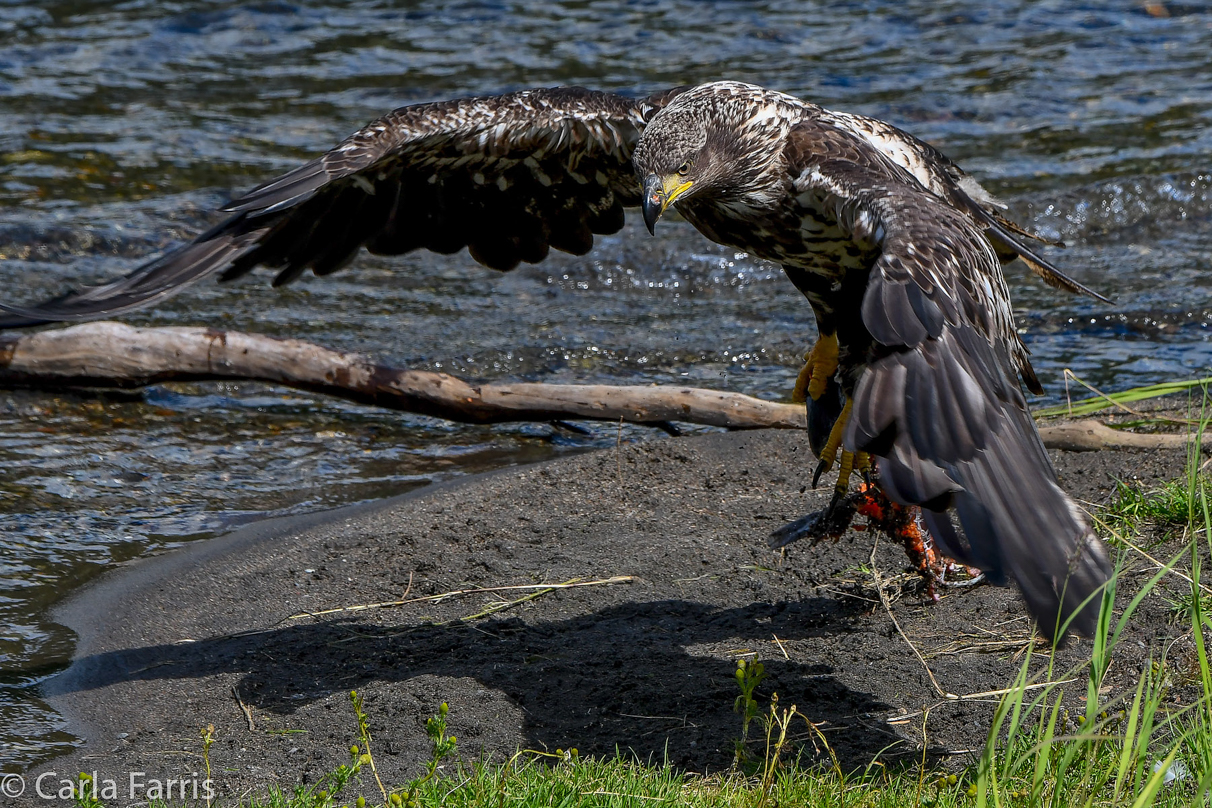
x,y
244,708
543,589
879,587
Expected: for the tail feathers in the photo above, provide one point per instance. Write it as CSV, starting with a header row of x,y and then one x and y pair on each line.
x,y
1016,523
1008,237
951,432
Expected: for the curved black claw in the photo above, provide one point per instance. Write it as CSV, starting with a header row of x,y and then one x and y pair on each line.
x,y
821,468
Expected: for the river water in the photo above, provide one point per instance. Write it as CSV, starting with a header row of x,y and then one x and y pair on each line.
x,y
122,124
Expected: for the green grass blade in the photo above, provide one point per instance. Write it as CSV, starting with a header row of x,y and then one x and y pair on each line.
x,y
1149,793
1045,754
1129,747
1103,401
1130,609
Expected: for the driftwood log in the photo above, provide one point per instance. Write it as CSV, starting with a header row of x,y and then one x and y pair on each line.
x,y
114,355
1090,435
107,354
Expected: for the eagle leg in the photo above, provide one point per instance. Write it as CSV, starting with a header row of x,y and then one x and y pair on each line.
x,y
820,365
850,461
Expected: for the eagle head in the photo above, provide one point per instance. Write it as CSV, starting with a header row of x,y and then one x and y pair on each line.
x,y
716,142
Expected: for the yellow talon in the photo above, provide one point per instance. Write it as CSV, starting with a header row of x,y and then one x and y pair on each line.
x,y
850,463
819,366
844,470
862,461
829,453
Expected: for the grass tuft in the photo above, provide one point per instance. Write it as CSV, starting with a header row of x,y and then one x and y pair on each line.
x,y
1171,505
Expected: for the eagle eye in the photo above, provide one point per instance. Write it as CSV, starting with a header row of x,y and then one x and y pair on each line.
x,y
684,168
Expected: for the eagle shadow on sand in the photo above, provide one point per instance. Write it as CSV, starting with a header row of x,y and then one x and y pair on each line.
x,y
594,680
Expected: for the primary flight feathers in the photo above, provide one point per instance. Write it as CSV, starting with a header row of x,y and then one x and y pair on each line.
x,y
508,177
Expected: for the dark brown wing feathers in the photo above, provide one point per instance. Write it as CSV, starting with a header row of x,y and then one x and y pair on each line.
x,y
938,400
507,177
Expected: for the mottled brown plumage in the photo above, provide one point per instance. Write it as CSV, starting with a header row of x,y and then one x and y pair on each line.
x,y
898,251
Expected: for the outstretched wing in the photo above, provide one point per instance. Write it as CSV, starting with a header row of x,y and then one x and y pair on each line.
x,y
508,177
939,401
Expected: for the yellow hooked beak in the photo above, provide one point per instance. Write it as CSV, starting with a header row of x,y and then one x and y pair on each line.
x,y
659,194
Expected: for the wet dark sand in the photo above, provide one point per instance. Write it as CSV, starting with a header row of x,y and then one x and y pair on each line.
x,y
645,666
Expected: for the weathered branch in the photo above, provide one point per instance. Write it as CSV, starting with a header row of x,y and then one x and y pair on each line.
x,y
108,354
1089,435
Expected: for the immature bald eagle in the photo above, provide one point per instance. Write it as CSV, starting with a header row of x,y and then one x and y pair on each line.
x,y
898,251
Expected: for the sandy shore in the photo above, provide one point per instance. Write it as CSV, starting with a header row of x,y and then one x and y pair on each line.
x,y
207,635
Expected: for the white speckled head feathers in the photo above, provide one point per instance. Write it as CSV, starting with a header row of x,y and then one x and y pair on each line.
x,y
730,133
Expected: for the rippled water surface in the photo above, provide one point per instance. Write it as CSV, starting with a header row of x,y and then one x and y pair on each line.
x,y
123,124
